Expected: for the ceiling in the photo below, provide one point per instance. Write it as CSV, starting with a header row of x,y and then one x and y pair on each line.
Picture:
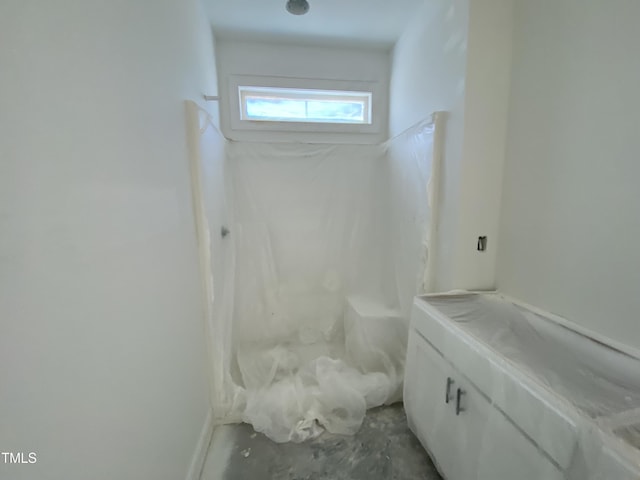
x,y
371,23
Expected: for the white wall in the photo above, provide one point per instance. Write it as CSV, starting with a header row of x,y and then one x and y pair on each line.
x,y
428,74
102,352
571,215
331,64
485,131
455,56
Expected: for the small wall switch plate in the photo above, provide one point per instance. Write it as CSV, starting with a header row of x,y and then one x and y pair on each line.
x,y
482,244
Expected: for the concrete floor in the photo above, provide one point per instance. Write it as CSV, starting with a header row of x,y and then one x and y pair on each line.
x,y
383,449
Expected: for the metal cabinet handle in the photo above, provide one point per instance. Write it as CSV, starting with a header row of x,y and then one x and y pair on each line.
x,y
459,395
447,395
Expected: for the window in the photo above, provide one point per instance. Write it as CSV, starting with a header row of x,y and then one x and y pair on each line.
x,y
261,108
271,104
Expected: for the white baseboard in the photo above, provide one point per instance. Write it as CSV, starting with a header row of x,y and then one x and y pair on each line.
x,y
200,455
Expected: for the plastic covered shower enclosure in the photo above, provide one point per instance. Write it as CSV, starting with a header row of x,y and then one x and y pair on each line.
x,y
307,298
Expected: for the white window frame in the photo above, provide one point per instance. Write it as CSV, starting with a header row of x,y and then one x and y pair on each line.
x,y
250,91
236,123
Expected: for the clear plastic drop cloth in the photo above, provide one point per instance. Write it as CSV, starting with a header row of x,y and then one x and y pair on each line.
x,y
310,255
599,380
570,397
410,162
308,233
213,212
314,231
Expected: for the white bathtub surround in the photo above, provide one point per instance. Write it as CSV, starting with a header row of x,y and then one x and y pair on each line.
x,y
496,390
313,226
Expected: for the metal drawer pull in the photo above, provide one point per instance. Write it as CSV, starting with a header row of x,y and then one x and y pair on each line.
x,y
459,395
447,395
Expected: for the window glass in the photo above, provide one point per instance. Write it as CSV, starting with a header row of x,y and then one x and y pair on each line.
x,y
298,105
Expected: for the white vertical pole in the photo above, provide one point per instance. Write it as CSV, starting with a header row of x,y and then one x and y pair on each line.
x,y
435,188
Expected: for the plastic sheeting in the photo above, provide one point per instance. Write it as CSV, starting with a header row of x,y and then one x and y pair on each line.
x,y
328,245
411,173
307,234
213,212
540,400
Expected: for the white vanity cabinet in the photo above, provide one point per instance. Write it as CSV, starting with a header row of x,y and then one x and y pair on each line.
x,y
424,399
468,437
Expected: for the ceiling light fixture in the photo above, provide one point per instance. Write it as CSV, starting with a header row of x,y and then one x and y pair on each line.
x,y
297,7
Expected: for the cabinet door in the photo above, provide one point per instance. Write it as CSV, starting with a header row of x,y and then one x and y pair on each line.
x,y
491,447
479,443
430,417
